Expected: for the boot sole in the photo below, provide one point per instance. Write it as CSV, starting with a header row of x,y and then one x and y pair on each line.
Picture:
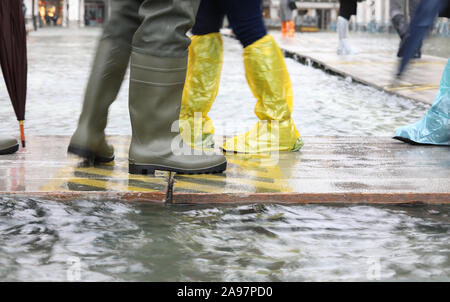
x,y
150,169
411,142
89,155
10,150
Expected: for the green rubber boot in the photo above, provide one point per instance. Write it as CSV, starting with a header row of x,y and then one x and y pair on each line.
x,y
107,74
156,87
8,145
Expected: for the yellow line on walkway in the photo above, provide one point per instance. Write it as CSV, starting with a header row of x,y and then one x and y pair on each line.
x,y
359,63
118,174
65,175
330,63
276,186
180,184
424,88
56,184
108,185
428,63
401,87
265,167
271,172
412,87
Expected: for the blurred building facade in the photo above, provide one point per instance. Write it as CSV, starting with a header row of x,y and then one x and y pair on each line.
x,y
67,12
372,15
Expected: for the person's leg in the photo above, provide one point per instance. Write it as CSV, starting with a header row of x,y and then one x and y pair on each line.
x,y
284,28
8,145
346,10
419,28
269,81
413,4
434,127
158,70
209,18
398,17
396,7
285,16
246,19
108,70
291,28
445,13
288,18
203,75
283,10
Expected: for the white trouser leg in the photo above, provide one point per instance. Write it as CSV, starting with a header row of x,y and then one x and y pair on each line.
x,y
344,47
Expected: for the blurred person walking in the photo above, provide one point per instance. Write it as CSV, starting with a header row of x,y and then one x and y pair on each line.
x,y
286,15
153,34
399,20
347,8
434,127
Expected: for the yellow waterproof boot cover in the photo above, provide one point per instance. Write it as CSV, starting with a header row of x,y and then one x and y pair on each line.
x,y
269,81
200,91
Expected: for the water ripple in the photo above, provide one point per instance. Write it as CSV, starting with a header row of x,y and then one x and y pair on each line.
x,y
123,241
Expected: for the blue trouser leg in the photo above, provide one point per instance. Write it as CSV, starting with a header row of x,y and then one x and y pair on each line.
x,y
209,17
245,18
420,25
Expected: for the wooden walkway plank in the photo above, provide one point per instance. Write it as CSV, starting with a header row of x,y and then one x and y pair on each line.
x,y
327,170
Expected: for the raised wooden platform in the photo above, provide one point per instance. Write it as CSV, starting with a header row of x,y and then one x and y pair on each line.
x,y
327,170
372,66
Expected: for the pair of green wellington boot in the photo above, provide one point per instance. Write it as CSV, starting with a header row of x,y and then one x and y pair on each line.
x,y
8,145
156,86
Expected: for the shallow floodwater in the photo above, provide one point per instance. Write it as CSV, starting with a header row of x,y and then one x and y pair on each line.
x,y
101,240
59,65
47,240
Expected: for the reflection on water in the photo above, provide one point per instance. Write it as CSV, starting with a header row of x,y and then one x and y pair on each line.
x,y
120,241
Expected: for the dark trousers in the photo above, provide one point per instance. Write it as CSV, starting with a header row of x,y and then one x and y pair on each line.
x,y
446,12
347,8
245,17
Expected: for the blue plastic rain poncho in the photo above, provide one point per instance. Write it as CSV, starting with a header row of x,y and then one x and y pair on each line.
x,y
434,127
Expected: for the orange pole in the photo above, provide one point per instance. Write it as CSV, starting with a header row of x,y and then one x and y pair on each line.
x,y
22,134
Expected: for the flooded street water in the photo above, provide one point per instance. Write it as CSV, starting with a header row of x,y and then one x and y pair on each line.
x,y
117,241
59,65
44,240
